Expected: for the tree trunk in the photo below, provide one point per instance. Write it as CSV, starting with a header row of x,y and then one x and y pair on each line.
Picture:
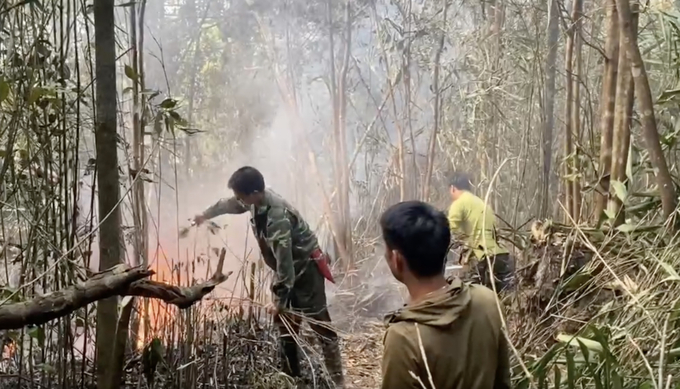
x,y
576,17
107,175
649,130
625,93
140,256
412,185
340,163
493,136
436,107
569,124
343,186
549,106
608,102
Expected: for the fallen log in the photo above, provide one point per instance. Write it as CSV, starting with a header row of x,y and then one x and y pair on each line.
x,y
182,297
120,280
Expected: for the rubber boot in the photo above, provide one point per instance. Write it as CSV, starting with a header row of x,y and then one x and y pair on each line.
x,y
333,362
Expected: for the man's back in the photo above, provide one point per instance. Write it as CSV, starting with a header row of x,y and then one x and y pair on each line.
x,y
459,331
277,208
471,217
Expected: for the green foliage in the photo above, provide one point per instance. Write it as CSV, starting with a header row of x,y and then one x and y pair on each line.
x,y
619,190
581,362
37,333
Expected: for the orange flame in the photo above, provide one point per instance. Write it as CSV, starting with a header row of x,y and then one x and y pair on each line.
x,y
9,349
156,316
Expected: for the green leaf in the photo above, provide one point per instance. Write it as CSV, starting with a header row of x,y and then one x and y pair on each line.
x,y
619,190
626,228
576,281
36,94
37,333
576,341
558,377
4,89
168,103
190,131
571,370
130,73
609,214
672,274
647,385
175,115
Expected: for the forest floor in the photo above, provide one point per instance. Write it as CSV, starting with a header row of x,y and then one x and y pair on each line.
x,y
362,354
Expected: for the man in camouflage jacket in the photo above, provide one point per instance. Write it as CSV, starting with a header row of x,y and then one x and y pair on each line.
x,y
289,247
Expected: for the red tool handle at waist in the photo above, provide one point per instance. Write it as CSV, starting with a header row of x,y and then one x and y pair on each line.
x,y
323,262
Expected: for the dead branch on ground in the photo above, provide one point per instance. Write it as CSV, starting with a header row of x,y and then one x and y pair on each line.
x,y
120,280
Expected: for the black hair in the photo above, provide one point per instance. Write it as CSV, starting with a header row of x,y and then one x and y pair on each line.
x,y
420,233
246,180
461,181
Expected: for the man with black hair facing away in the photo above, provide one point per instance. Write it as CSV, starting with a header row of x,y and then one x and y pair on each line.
x,y
449,335
290,248
473,224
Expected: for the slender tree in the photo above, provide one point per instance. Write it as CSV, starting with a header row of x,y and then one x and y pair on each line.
x,y
623,112
649,129
107,175
549,105
607,104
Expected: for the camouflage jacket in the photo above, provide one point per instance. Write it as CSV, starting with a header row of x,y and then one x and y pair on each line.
x,y
284,238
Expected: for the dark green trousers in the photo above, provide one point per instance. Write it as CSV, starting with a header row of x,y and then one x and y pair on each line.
x,y
503,269
308,301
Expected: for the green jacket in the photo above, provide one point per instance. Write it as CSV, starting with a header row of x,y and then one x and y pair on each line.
x,y
284,238
472,220
459,331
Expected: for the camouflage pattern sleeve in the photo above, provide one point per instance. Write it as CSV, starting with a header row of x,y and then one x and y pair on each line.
x,y
225,206
279,239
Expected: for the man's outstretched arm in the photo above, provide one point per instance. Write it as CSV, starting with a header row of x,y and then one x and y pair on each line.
x,y
225,206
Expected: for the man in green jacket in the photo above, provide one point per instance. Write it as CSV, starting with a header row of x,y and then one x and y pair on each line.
x,y
290,248
449,334
473,224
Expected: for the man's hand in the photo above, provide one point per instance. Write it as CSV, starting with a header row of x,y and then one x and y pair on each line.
x,y
199,219
272,309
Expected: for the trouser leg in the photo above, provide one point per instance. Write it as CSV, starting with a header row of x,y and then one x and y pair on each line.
x,y
503,267
289,360
504,270
482,273
330,346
